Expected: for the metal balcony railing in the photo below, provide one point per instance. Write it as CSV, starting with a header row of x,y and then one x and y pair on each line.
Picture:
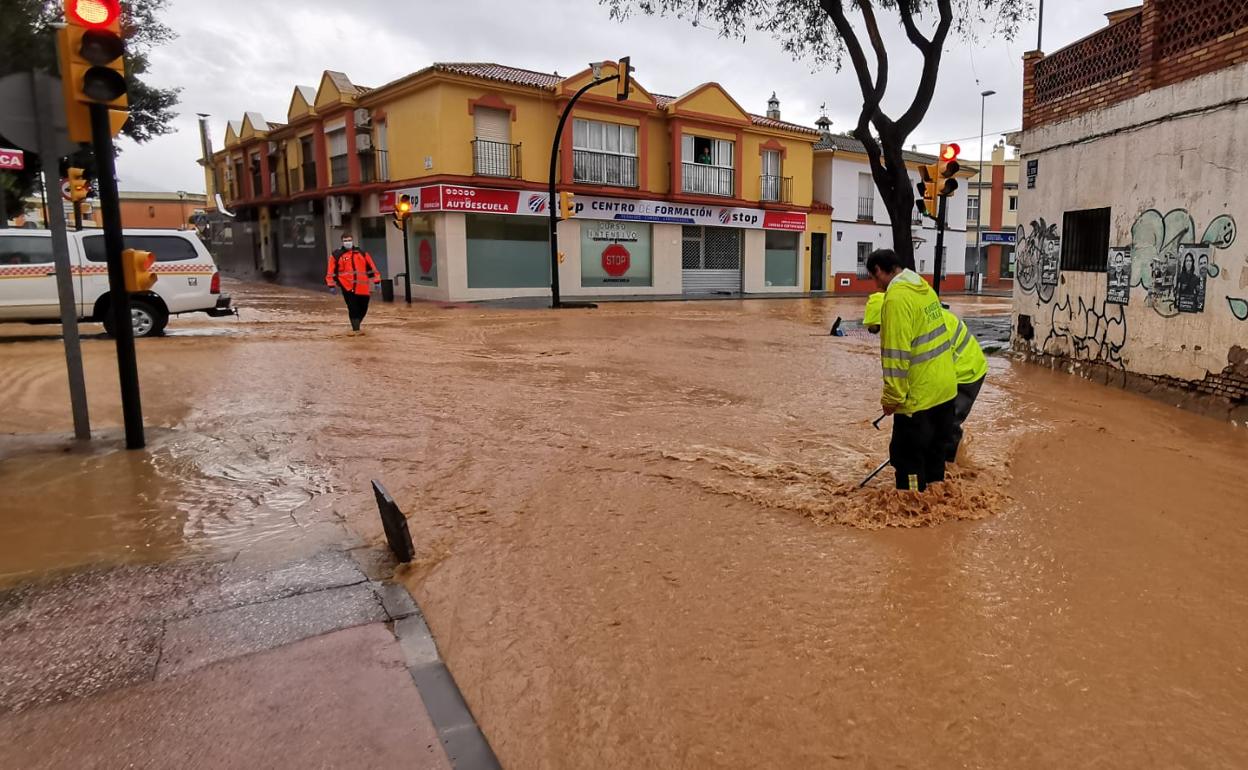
x,y
490,158
866,209
702,179
775,189
339,172
603,168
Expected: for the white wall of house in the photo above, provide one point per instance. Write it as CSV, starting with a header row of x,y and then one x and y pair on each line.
x,y
1172,167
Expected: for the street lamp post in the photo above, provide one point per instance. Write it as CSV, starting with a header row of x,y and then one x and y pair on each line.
x,y
979,191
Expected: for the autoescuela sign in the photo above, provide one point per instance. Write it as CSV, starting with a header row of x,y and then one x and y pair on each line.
x,y
12,160
476,200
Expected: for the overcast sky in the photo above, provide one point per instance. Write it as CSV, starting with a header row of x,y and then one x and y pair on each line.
x,y
238,55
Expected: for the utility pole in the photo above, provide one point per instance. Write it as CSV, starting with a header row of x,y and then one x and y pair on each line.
x,y
942,211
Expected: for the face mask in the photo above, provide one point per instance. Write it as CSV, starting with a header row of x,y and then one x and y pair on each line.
x,y
347,244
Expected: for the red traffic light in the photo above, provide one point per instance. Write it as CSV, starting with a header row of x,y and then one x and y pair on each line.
x,y
92,13
950,152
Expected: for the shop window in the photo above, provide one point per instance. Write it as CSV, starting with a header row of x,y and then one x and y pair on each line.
x,y
781,258
615,254
507,252
1085,240
1007,262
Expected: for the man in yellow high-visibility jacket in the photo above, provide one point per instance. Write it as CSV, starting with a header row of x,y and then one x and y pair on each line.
x,y
871,317
919,380
970,367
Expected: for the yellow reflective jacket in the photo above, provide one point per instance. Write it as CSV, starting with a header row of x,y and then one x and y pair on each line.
x,y
915,347
875,305
969,363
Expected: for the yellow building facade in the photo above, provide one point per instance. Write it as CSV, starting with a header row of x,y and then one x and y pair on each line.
x,y
674,195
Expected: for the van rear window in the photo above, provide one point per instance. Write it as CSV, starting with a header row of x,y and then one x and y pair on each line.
x,y
25,250
167,248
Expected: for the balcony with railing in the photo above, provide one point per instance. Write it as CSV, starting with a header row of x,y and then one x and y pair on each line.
x,y
490,158
374,166
866,209
702,179
604,168
339,170
775,189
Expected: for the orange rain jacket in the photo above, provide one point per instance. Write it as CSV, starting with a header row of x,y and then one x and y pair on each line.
x,y
351,270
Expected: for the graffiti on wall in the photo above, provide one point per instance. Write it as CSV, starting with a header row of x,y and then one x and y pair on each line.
x,y
1038,258
1173,262
1090,332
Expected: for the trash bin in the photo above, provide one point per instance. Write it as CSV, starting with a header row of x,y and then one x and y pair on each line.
x,y
387,290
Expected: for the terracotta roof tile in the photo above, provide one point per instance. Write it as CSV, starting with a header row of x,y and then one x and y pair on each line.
x,y
501,74
760,120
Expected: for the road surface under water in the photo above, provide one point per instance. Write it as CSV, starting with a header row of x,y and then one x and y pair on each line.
x,y
639,538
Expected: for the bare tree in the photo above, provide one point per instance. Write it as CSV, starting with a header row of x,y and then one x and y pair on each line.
x,y
825,31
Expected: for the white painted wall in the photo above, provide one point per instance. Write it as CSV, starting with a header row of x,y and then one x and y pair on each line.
x,y
1184,147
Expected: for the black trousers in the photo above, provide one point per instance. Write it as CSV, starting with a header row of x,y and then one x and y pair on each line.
x,y
917,451
962,404
357,308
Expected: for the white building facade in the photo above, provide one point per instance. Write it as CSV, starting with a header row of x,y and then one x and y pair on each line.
x,y
1130,265
860,222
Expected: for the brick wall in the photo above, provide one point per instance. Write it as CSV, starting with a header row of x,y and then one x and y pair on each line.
x,y
1166,42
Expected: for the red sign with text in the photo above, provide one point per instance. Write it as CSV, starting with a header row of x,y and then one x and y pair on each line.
x,y
426,256
616,260
12,160
784,220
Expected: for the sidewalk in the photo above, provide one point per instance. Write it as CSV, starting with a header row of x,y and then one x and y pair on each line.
x,y
315,663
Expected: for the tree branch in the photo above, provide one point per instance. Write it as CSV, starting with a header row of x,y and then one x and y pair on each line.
x,y
906,9
931,68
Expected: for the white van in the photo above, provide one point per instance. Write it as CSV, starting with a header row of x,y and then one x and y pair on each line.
x,y
187,278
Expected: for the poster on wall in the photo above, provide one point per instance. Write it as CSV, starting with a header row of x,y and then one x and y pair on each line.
x,y
1050,268
1119,276
1165,270
1190,283
615,254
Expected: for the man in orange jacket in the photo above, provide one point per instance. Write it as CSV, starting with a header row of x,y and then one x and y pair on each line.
x,y
352,271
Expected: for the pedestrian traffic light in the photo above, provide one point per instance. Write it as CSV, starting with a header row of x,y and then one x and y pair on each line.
x,y
624,84
566,206
949,167
93,67
77,185
402,210
137,266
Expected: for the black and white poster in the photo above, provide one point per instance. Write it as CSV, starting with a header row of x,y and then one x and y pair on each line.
x,y
1050,268
1189,287
1118,274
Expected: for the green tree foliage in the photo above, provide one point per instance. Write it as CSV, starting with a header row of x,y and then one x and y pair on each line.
x,y
28,43
828,32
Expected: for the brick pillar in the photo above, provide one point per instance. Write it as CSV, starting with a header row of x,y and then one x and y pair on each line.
x,y
995,218
264,171
1029,87
1150,23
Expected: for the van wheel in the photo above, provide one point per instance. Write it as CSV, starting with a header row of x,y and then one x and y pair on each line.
x,y
146,320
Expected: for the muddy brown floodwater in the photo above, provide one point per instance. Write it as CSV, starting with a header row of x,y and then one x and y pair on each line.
x,y
639,542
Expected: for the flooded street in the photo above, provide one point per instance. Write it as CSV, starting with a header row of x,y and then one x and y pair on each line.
x,y
639,538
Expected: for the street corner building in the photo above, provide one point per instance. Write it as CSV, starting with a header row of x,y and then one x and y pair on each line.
x,y
674,195
1130,266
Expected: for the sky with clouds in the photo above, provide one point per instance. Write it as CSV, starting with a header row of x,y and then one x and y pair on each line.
x,y
237,55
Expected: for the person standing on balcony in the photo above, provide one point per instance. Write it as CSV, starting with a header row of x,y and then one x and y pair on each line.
x,y
352,270
704,157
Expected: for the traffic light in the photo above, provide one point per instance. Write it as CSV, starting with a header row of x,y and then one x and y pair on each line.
x,y
624,84
566,207
948,167
93,66
77,185
927,189
137,266
402,210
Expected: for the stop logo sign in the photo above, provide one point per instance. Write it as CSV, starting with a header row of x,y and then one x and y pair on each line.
x,y
426,257
616,260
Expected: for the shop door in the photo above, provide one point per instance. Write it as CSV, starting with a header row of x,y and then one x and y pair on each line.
x,y
818,267
711,260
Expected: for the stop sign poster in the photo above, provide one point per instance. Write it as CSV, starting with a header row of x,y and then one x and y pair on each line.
x,y
615,253
426,259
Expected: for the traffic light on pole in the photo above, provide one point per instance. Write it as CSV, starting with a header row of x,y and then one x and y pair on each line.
x,y
93,66
77,185
402,210
138,269
625,82
928,190
566,206
948,168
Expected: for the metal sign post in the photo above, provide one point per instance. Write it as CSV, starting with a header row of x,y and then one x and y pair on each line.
x,y
34,119
942,206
